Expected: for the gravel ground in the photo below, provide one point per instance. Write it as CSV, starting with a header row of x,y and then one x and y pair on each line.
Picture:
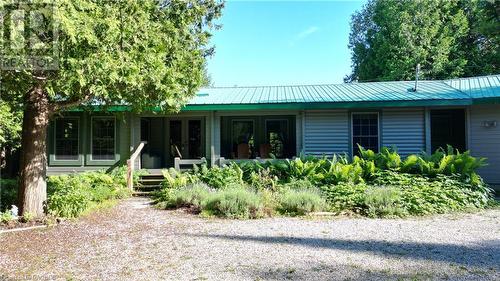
x,y
133,241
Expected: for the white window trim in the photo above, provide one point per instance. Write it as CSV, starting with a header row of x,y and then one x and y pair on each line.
x,y
352,128
55,139
92,138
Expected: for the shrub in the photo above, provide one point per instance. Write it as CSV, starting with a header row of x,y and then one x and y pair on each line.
x,y
300,202
345,196
189,196
218,177
176,179
8,193
71,195
234,203
297,185
263,179
384,202
6,217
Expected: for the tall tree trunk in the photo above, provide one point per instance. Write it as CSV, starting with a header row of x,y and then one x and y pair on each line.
x,y
32,184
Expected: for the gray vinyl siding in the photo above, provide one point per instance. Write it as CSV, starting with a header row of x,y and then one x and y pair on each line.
x,y
326,132
485,142
404,129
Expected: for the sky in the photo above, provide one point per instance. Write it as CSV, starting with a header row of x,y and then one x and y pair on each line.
x,y
282,43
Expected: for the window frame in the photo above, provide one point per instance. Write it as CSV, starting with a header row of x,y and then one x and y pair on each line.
x,y
77,118
91,152
352,128
288,129
231,131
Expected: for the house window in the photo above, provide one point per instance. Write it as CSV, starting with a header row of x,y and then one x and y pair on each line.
x,y
276,139
66,140
242,139
103,139
365,131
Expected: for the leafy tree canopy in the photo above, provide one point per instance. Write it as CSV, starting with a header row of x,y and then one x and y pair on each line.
x,y
147,53
448,38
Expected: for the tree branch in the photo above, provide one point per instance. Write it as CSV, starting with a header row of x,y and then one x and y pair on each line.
x,y
70,103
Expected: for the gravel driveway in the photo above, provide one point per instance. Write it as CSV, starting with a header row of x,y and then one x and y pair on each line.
x,y
133,241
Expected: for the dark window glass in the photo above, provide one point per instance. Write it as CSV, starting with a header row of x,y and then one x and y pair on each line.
x,y
243,139
448,128
365,131
276,139
66,140
194,142
103,139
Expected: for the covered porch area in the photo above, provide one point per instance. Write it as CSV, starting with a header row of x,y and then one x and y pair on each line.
x,y
168,141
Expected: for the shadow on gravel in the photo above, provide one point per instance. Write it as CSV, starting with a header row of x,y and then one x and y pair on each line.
x,y
486,255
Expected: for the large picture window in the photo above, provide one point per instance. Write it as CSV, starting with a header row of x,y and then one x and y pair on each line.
x,y
242,139
103,138
276,137
365,131
66,140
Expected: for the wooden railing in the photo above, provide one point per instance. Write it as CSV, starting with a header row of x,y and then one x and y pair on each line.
x,y
131,165
178,162
223,161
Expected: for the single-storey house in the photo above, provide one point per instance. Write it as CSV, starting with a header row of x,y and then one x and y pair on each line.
x,y
254,122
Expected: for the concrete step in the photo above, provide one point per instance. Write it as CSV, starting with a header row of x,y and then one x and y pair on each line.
x,y
141,193
145,181
147,187
150,177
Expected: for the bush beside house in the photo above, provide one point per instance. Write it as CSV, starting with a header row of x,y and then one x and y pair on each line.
x,y
373,184
69,196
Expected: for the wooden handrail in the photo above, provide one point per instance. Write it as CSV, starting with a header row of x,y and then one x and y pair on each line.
x,y
178,162
131,165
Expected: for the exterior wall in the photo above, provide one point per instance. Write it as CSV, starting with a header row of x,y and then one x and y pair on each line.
x,y
485,142
403,128
85,163
326,132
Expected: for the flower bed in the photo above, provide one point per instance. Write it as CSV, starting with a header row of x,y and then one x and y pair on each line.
x,y
372,184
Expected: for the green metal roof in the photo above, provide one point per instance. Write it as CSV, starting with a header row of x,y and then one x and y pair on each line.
x,y
463,91
477,87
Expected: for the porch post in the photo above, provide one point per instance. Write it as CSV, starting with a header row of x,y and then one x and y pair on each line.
x,y
427,118
215,138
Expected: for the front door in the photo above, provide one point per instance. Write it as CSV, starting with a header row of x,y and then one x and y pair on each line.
x,y
186,138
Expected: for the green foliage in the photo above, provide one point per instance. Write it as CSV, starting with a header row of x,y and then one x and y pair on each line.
x,y
373,184
175,179
345,196
10,125
188,196
448,38
297,185
384,202
263,179
70,195
300,202
154,49
239,203
218,177
8,193
423,195
6,217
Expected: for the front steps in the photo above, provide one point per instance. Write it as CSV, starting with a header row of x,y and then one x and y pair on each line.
x,y
148,184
